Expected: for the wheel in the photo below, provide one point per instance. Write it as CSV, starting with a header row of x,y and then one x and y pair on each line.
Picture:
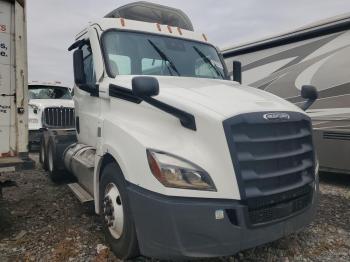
x,y
117,219
42,154
55,174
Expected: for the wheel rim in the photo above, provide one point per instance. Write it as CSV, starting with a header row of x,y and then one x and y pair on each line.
x,y
113,210
50,160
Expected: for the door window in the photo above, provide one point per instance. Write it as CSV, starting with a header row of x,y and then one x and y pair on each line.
x,y
89,71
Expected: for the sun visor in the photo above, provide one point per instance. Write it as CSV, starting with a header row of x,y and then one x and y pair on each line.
x,y
153,13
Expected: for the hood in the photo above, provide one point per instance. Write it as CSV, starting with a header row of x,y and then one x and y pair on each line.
x,y
43,103
225,98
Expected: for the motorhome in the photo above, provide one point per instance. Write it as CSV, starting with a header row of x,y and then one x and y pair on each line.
x,y
178,160
317,55
50,105
13,87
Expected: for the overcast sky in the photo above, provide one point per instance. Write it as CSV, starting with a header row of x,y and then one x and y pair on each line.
x,y
52,24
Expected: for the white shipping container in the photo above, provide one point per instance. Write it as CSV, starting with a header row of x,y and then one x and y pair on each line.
x,y
13,84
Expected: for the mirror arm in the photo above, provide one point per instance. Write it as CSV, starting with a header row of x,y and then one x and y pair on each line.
x,y
186,119
90,88
306,105
237,71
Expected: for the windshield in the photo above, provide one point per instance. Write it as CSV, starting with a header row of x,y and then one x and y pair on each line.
x,y
49,92
130,53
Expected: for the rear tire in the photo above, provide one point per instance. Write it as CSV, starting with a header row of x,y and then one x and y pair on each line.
x,y
56,175
116,216
43,154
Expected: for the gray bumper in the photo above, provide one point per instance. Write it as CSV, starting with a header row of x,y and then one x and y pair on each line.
x,y
35,137
180,228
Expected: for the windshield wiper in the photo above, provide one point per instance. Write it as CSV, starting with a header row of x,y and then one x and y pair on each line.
x,y
164,56
207,60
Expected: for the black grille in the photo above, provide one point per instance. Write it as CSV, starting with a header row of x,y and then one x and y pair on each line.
x,y
271,157
59,117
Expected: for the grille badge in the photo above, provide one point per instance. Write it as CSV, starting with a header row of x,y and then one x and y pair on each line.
x,y
276,116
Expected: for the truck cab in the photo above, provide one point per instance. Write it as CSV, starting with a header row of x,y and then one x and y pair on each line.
x,y
180,161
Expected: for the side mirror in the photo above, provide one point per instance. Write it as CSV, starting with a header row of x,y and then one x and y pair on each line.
x,y
145,86
237,71
310,94
78,65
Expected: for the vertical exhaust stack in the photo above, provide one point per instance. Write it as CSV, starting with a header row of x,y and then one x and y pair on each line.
x,y
153,13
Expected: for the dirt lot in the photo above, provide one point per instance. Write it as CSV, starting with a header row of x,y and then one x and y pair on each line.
x,y
41,221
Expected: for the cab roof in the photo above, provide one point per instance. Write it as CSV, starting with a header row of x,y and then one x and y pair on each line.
x,y
123,24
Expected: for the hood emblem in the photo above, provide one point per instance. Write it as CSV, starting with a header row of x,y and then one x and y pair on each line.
x,y
276,116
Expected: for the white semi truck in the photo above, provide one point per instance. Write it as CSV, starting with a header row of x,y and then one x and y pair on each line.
x,y
13,87
50,105
179,160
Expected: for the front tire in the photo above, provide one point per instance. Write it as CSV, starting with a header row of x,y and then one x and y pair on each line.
x,y
117,219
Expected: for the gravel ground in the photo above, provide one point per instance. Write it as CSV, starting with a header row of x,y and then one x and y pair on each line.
x,y
41,221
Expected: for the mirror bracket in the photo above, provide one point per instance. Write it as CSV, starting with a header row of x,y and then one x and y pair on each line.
x,y
309,93
145,87
237,71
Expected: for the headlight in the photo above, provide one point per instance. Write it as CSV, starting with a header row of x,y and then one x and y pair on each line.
x,y
33,121
35,108
175,172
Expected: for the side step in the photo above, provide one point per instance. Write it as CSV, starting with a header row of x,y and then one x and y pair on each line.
x,y
83,196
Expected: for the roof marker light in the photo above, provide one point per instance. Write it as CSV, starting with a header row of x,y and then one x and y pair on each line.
x,y
205,37
159,28
179,30
170,30
122,21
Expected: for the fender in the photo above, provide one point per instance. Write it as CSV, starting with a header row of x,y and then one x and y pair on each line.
x,y
107,150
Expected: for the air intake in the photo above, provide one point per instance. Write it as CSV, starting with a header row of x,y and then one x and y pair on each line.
x,y
153,13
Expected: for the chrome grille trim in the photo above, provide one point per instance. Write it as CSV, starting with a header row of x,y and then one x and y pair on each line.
x,y
59,117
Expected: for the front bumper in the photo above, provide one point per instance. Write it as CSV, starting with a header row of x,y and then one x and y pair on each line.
x,y
35,137
182,228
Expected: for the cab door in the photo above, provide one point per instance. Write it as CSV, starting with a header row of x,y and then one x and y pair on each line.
x,y
87,106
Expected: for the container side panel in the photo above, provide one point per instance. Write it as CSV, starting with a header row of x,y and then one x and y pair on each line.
x,y
6,67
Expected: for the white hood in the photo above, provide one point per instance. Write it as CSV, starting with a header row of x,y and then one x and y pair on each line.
x,y
43,103
225,98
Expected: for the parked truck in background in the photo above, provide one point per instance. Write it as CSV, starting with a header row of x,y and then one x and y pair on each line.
x,y
13,87
179,161
50,105
317,54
